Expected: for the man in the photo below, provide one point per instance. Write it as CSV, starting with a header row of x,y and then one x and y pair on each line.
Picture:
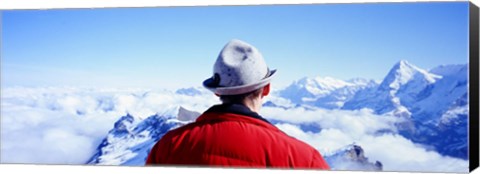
x,y
233,133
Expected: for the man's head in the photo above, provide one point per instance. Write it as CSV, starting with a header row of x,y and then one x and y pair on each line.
x,y
239,72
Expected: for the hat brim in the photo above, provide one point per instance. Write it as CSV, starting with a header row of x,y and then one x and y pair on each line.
x,y
235,90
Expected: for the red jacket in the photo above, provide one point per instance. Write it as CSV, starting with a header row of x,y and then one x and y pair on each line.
x,y
232,135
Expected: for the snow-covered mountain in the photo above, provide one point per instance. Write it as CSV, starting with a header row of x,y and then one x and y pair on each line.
x,y
441,117
324,92
443,95
132,138
435,103
399,90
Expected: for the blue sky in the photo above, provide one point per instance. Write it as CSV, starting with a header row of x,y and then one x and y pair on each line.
x,y
177,46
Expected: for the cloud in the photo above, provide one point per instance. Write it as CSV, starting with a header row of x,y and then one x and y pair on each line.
x,y
65,125
326,141
400,154
355,123
43,136
341,128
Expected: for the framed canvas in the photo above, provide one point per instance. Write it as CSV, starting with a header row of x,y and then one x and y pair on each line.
x,y
371,86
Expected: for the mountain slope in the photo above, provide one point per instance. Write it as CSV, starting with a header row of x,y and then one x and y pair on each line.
x,y
434,104
397,92
444,113
131,139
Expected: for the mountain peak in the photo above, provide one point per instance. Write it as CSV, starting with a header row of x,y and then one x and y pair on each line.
x,y
122,125
404,72
352,157
404,65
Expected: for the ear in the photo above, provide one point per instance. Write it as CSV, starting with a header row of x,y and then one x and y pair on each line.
x,y
266,90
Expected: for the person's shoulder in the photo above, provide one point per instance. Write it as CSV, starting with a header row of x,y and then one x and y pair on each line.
x,y
297,144
181,129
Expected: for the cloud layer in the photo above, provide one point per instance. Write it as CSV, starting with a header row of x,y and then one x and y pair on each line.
x,y
376,134
65,125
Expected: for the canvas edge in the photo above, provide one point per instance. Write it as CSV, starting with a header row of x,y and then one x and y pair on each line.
x,y
474,87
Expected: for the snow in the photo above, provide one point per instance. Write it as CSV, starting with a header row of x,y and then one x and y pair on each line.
x,y
453,114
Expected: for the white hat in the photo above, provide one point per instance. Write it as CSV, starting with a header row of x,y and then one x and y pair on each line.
x,y
239,69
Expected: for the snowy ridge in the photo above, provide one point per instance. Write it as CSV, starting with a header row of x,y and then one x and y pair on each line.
x,y
132,138
325,92
312,88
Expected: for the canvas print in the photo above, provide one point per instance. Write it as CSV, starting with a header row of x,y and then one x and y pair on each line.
x,y
369,86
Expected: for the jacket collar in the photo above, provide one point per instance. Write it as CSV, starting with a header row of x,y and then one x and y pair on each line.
x,y
237,109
